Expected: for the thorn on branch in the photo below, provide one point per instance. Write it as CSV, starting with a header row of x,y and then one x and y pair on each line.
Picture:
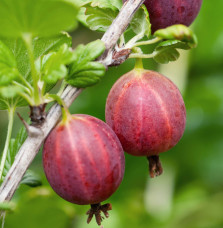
x,y
31,130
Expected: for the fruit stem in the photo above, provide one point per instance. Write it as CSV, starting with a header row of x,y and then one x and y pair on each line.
x,y
132,42
155,166
147,42
65,112
143,56
139,64
62,87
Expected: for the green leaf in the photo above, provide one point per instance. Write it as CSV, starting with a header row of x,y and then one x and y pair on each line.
x,y
37,17
53,66
103,3
31,179
90,75
99,15
166,55
8,66
3,104
117,3
177,37
51,72
46,45
84,71
178,32
167,51
14,147
8,73
42,46
140,23
10,91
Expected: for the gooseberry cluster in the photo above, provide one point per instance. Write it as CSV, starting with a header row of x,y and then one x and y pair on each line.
x,y
83,157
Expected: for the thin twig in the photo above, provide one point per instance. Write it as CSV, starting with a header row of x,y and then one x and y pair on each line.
x,y
31,146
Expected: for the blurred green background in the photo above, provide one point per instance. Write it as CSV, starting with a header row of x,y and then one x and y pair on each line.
x,y
190,192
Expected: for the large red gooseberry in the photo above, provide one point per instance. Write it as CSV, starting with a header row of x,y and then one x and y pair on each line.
x,y
84,162
147,113
164,13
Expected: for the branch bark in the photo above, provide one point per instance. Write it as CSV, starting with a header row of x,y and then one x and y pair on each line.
x,y
31,146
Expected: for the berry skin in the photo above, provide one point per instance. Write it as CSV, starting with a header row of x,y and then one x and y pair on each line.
x,y
147,113
164,13
84,162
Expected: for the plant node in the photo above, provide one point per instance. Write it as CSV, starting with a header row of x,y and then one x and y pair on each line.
x,y
155,166
120,56
37,114
96,210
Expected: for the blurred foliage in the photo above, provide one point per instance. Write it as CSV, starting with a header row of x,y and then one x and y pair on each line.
x,y
190,192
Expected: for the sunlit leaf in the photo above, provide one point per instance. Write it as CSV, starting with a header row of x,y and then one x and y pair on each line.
x,y
98,15
53,65
8,66
84,71
140,23
166,51
36,17
42,46
178,32
10,91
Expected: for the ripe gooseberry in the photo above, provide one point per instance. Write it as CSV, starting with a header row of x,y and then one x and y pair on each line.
x,y
84,162
147,113
164,13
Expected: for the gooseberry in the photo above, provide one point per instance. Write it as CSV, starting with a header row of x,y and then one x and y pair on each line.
x,y
147,113
164,13
84,162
